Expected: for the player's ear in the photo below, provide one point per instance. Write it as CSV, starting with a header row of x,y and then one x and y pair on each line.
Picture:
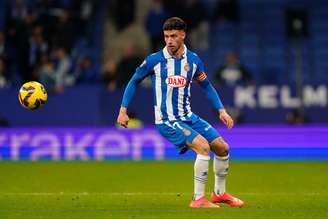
x,y
183,34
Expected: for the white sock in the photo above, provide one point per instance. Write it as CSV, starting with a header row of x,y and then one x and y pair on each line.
x,y
220,167
200,175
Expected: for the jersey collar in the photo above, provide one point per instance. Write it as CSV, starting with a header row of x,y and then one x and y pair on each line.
x,y
167,55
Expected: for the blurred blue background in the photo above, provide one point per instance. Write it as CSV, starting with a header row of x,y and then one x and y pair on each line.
x,y
264,57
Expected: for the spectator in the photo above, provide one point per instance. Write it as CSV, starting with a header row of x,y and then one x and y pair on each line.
x,y
153,24
46,73
62,67
85,71
3,80
126,67
37,47
109,76
233,73
33,28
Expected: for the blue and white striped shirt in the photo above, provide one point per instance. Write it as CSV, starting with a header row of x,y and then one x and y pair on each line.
x,y
171,80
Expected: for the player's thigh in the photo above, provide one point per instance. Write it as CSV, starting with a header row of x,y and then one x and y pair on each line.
x,y
217,143
178,133
205,129
200,145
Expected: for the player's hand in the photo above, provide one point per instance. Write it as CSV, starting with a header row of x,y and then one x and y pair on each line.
x,y
226,118
123,118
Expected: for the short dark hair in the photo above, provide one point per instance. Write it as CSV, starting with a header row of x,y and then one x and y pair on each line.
x,y
175,23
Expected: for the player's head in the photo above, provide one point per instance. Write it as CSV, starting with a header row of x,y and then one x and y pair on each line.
x,y
174,30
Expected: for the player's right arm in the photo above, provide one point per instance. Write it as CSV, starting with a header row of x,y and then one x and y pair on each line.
x,y
212,94
141,72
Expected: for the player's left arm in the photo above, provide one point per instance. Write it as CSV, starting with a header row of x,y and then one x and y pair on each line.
x,y
141,72
212,96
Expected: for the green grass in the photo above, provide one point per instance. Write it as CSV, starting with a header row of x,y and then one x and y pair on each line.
x,y
158,190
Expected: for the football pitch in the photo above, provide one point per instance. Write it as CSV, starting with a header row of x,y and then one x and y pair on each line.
x,y
149,189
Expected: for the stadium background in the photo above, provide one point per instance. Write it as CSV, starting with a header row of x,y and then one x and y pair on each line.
x,y
85,51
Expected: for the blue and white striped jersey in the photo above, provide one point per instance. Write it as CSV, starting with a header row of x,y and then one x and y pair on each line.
x,y
171,80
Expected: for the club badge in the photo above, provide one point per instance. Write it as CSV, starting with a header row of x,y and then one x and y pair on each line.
x,y
186,132
186,67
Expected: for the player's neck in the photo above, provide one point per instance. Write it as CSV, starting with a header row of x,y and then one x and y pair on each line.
x,y
178,54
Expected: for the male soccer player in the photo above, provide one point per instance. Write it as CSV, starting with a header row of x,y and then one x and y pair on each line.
x,y
172,71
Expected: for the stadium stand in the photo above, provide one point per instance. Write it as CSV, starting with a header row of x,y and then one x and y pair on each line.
x,y
257,35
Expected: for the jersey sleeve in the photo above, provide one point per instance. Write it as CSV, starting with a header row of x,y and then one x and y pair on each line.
x,y
141,73
206,86
200,74
144,69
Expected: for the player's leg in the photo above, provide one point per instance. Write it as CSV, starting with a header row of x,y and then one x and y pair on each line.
x,y
220,164
184,137
199,145
202,148
221,159
220,168
221,153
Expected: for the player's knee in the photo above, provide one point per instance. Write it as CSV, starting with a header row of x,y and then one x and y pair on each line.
x,y
224,149
221,148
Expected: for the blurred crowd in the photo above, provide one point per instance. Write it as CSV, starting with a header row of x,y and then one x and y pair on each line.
x,y
196,13
40,40
48,41
43,39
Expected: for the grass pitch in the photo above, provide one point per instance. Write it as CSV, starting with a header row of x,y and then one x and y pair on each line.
x,y
147,189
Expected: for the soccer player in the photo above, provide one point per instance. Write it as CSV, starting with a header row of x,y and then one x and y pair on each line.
x,y
172,71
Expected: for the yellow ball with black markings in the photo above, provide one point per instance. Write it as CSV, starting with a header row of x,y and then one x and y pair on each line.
x,y
32,95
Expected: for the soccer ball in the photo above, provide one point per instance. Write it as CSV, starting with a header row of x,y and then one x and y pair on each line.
x,y
32,95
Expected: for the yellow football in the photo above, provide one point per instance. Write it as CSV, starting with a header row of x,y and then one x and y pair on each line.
x,y
32,95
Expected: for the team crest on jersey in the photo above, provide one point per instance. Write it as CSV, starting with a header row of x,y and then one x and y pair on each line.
x,y
186,67
176,81
186,132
